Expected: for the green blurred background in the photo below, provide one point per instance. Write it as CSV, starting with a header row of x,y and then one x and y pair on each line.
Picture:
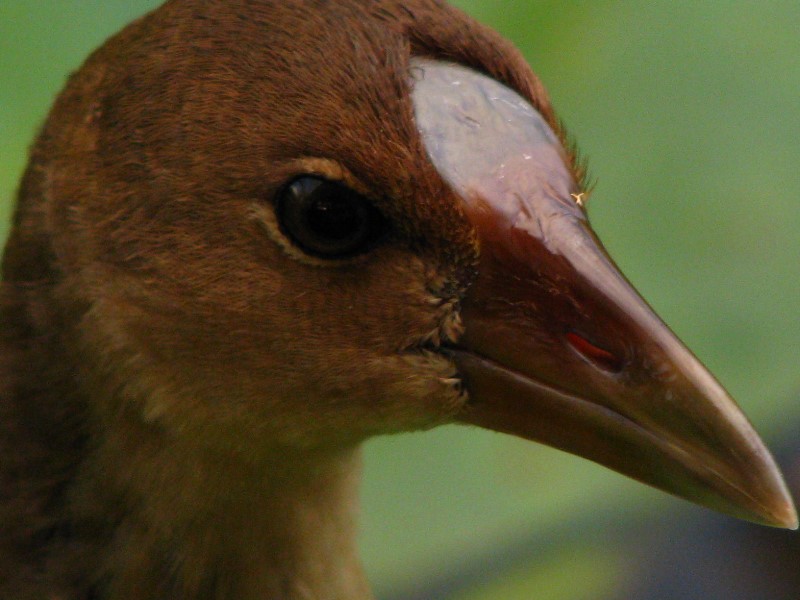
x,y
689,114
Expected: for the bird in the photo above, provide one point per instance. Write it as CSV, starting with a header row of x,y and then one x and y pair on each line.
x,y
254,234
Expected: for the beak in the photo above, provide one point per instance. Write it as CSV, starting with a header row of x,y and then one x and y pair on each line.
x,y
558,347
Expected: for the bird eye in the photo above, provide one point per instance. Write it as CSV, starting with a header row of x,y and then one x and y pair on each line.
x,y
326,218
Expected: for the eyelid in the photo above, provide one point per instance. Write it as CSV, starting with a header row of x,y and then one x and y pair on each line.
x,y
264,215
327,218
325,168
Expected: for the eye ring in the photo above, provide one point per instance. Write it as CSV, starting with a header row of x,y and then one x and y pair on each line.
x,y
326,218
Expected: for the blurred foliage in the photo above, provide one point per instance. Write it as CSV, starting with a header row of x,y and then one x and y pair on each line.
x,y
689,113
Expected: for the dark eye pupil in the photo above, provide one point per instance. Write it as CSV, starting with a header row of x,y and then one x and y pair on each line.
x,y
334,218
326,218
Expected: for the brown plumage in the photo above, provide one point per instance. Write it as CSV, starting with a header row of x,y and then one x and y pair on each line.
x,y
183,389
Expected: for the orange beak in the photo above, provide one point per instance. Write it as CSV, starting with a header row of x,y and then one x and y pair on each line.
x,y
558,346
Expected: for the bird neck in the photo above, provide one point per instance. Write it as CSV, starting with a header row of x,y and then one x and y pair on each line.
x,y
101,503
117,508
202,525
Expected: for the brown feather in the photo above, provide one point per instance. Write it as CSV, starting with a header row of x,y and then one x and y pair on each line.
x,y
182,400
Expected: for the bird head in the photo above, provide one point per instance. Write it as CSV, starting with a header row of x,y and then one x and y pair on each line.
x,y
283,228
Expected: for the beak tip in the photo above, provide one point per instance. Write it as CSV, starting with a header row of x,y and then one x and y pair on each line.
x,y
776,507
781,512
788,519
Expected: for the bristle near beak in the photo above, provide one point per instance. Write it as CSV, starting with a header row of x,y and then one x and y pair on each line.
x,y
558,346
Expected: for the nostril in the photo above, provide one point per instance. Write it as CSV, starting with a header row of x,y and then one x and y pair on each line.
x,y
598,356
